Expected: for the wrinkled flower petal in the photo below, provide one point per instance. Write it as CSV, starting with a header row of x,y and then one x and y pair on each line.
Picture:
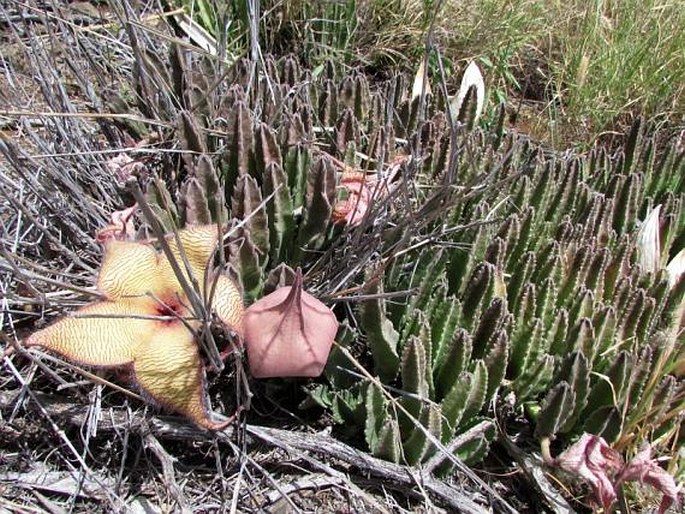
x,y
357,192
646,470
130,269
593,460
228,304
289,333
100,334
168,369
198,243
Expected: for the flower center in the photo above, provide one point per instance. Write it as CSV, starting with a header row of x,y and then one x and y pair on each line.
x,y
169,308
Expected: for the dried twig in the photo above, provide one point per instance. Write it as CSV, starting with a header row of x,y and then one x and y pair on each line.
x,y
169,473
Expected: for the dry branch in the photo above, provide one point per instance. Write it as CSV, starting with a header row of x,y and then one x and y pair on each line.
x,y
343,461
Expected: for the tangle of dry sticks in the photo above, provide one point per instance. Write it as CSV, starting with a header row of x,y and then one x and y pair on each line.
x,y
341,460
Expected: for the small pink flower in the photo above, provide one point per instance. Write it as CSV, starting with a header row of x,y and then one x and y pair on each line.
x,y
358,191
356,194
593,460
121,228
122,167
644,469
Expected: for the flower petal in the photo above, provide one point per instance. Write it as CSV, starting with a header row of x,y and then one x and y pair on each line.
x,y
228,303
121,228
472,78
289,333
131,269
644,469
649,242
676,268
419,87
168,368
134,269
593,460
356,196
198,243
100,334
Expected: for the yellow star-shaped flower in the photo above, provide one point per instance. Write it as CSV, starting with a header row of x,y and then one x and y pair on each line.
x,y
146,324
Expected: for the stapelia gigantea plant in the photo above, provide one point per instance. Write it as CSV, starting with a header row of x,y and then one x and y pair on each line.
x,y
523,268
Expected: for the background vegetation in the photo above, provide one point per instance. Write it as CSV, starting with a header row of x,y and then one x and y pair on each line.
x,y
569,72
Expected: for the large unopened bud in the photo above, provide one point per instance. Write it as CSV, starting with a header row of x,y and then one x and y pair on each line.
x,y
289,333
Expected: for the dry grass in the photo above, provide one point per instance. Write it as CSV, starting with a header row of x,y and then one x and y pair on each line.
x,y
569,72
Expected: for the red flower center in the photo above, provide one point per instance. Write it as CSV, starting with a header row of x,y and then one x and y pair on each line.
x,y
171,309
